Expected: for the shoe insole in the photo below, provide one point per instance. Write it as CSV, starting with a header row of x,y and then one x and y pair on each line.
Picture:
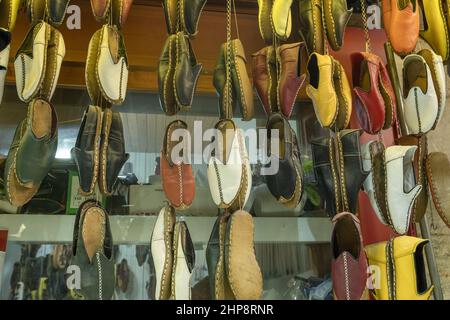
x,y
416,76
365,77
419,264
93,230
346,238
313,70
42,119
409,176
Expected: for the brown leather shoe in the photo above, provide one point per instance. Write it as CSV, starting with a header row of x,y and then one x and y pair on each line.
x,y
290,78
177,177
261,78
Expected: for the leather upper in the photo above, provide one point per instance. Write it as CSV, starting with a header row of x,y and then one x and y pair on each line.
x,y
56,52
265,20
55,10
349,262
420,99
337,16
438,171
8,14
282,18
100,9
166,72
435,30
177,177
311,26
265,78
192,13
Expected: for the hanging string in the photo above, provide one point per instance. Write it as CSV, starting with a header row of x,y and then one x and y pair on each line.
x,y
228,93
322,15
365,25
236,20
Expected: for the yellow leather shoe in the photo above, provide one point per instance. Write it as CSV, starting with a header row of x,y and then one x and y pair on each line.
x,y
265,21
282,18
321,88
398,269
8,13
435,31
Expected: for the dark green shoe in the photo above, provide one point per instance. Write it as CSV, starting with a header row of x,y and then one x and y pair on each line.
x,y
92,252
311,25
337,16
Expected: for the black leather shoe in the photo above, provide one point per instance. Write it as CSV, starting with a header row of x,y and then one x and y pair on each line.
x,y
57,10
166,72
187,72
192,10
286,184
86,153
112,155
92,252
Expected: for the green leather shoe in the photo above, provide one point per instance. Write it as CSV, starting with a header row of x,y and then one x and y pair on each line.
x,y
31,153
311,26
92,252
337,16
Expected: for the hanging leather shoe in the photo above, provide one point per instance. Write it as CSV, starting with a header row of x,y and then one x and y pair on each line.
x,y
8,14
92,252
166,72
420,99
86,152
170,8
311,26
435,31
438,175
177,176
100,9
349,262
5,47
265,20
112,146
265,79
53,11
190,15
337,16
120,12
282,18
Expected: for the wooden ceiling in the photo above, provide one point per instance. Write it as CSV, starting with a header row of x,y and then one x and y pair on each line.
x,y
242,6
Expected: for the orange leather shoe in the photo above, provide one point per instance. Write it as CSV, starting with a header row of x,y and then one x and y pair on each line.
x,y
403,28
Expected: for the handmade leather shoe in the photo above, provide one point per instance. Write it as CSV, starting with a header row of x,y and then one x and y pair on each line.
x,y
337,16
437,69
191,12
435,30
282,18
375,102
120,10
221,84
349,262
290,78
184,261
8,14
161,251
229,172
241,267
92,252
92,85
31,60
36,10
35,143
343,94
177,176
187,72
321,89
263,80
86,153
286,185
421,204
438,175
112,65
5,47
401,188
420,99
100,9
53,11
404,25
265,20
57,11
112,146
401,269
166,72
311,26
171,13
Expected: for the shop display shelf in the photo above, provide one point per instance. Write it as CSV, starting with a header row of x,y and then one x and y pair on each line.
x,y
138,229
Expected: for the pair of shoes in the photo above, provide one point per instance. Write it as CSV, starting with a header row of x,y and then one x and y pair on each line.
x,y
233,270
107,66
236,92
401,21
31,153
5,47
330,91
184,13
119,11
53,11
438,171
336,16
178,73
401,269
279,93
92,252
392,184
176,171
99,151
424,93
38,62
339,170
229,171
375,101
286,185
349,262
173,256
8,14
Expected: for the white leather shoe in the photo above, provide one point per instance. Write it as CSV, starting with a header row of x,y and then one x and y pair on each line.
x,y
5,46
401,187
112,65
161,250
369,187
30,61
437,69
282,18
55,55
420,98
184,256
230,181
